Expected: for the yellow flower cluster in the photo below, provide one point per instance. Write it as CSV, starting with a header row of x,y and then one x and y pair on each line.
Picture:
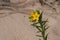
x,y
34,16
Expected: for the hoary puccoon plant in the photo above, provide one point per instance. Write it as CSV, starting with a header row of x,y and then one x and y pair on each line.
x,y
37,22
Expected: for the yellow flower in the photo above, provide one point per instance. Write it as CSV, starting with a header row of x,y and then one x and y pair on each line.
x,y
34,16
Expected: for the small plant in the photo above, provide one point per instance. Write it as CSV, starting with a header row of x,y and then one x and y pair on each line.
x,y
36,19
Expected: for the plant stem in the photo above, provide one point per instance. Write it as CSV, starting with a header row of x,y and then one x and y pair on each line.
x,y
43,31
43,35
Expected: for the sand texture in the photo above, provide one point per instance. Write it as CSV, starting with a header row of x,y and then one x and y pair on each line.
x,y
14,21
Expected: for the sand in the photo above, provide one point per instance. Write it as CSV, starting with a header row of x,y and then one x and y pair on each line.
x,y
15,25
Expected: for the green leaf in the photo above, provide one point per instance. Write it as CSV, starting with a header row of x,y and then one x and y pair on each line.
x,y
38,27
46,28
38,35
38,31
44,22
40,18
35,24
46,37
38,11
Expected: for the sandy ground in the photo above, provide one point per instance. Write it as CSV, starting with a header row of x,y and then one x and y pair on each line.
x,y
17,26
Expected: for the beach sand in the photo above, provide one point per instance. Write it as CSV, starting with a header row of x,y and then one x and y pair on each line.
x,y
16,26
